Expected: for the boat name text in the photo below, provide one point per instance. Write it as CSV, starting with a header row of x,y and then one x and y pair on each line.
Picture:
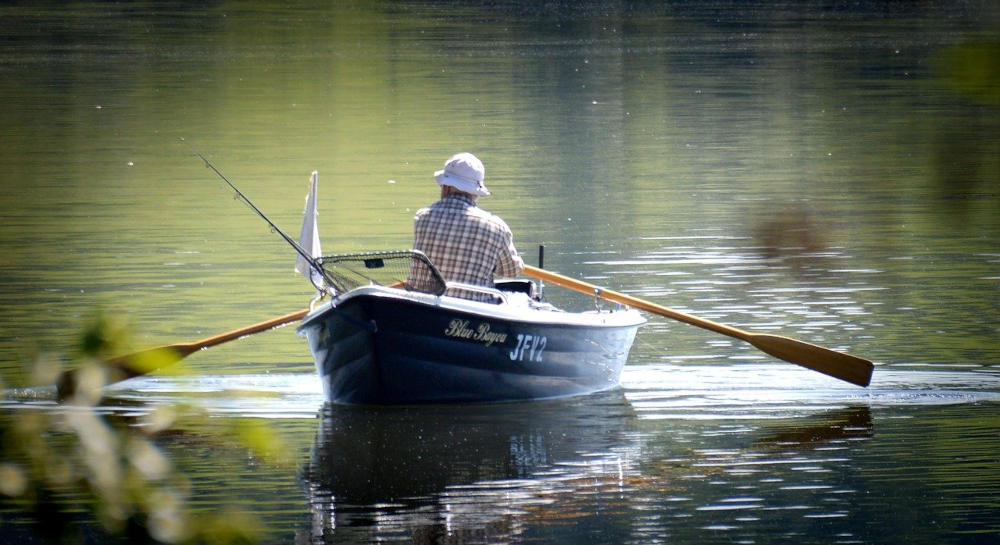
x,y
463,330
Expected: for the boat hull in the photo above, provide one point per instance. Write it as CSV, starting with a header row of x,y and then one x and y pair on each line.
x,y
380,346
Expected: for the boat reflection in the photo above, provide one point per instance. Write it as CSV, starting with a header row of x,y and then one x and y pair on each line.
x,y
485,474
461,473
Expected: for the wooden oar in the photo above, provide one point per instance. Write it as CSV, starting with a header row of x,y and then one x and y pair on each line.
x,y
146,361
830,362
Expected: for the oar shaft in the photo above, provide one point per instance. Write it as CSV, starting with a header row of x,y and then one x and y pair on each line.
x,y
145,361
634,302
818,358
249,330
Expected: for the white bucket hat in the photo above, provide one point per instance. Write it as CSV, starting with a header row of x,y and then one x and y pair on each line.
x,y
465,172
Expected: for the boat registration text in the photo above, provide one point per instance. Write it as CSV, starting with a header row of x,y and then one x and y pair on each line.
x,y
528,348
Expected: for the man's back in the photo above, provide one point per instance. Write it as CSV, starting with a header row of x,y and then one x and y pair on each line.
x,y
466,244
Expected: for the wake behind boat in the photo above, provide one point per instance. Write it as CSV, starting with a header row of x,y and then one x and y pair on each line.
x,y
382,345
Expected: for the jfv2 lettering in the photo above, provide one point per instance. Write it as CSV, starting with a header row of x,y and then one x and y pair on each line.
x,y
529,347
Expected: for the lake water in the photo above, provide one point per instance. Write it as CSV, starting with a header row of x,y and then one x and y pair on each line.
x,y
829,172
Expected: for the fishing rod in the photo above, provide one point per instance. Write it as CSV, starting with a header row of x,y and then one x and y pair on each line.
x,y
315,265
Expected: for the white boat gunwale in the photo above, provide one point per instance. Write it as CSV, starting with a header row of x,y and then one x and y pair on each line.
x,y
521,309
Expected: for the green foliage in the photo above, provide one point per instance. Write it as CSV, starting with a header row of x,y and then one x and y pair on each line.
x,y
65,466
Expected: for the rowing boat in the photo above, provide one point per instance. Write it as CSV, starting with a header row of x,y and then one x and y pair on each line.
x,y
376,343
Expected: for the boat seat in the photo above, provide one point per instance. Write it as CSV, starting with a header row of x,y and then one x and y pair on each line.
x,y
394,268
519,285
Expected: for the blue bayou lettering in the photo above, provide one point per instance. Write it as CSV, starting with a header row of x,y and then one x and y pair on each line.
x,y
462,330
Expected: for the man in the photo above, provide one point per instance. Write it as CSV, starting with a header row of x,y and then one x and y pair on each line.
x,y
466,243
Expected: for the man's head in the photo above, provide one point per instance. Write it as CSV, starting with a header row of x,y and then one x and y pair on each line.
x,y
464,172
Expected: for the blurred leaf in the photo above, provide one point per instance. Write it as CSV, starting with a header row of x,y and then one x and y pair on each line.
x,y
13,481
229,527
104,337
262,439
112,468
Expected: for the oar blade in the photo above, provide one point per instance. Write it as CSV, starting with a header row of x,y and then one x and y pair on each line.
x,y
824,360
124,367
149,360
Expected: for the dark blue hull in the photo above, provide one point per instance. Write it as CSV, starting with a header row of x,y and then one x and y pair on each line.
x,y
380,346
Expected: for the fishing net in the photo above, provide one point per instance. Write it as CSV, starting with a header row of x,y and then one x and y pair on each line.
x,y
348,271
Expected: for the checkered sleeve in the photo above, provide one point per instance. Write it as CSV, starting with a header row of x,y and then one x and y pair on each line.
x,y
509,263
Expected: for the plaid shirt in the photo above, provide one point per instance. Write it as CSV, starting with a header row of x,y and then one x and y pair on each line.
x,y
466,243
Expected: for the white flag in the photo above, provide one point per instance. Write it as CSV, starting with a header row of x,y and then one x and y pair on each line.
x,y
309,238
